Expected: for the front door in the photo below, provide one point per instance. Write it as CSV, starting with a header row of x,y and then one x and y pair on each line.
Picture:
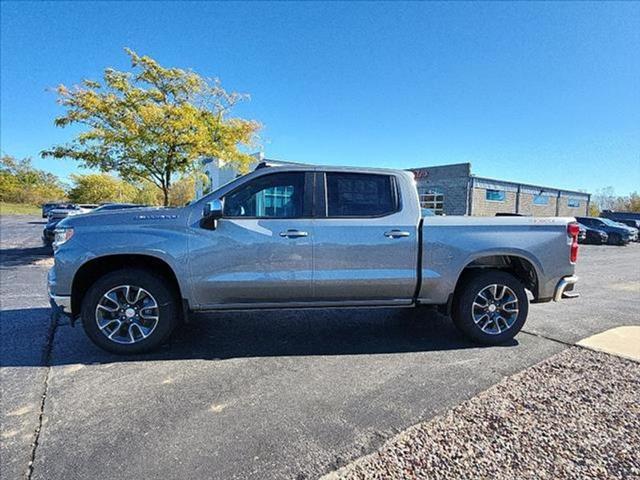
x,y
261,249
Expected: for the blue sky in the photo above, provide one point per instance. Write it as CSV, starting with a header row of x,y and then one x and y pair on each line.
x,y
544,93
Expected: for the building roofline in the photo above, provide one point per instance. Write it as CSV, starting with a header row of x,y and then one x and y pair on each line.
x,y
446,165
530,185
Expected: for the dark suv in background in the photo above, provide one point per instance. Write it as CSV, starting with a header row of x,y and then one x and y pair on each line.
x,y
618,234
592,236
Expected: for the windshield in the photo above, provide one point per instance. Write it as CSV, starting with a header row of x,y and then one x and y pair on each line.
x,y
213,193
611,223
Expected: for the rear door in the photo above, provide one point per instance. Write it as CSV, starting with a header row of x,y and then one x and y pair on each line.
x,y
365,240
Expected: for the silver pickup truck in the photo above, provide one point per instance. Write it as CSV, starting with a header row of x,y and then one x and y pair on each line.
x,y
304,237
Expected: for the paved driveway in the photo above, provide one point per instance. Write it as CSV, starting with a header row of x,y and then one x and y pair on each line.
x,y
268,395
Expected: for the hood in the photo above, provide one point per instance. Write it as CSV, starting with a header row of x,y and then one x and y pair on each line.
x,y
127,216
623,232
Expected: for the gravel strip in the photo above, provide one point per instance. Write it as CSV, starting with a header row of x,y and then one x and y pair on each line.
x,y
575,415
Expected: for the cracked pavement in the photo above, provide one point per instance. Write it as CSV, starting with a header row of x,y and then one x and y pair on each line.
x,y
254,395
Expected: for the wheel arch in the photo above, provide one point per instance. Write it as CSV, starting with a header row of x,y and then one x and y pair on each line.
x,y
519,266
99,266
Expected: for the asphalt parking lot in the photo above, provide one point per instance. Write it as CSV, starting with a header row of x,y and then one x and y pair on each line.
x,y
255,395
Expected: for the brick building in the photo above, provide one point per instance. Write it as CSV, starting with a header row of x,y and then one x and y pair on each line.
x,y
454,190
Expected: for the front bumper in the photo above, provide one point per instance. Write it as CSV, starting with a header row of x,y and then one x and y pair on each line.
x,y
61,305
564,289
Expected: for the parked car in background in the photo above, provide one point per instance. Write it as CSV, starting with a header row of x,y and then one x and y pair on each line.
x,y
618,234
592,236
582,233
633,224
618,216
632,230
87,207
57,214
305,237
46,207
117,206
62,211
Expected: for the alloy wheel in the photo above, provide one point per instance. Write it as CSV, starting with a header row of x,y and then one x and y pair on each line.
x,y
127,314
495,309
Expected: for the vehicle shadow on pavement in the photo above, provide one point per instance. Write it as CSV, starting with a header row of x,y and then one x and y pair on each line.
x,y
13,257
224,336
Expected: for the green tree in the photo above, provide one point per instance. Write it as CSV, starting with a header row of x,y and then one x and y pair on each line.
x,y
606,199
152,123
184,189
148,194
20,182
634,202
100,187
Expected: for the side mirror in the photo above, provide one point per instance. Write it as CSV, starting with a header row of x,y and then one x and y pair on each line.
x,y
211,213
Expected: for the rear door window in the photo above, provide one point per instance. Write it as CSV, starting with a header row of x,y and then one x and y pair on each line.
x,y
360,195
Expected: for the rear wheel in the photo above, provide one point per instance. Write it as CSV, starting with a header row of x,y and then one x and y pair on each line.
x,y
129,311
490,307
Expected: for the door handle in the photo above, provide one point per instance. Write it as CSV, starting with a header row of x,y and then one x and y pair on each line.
x,y
294,234
396,234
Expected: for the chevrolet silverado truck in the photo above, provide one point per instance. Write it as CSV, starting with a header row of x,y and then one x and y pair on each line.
x,y
287,236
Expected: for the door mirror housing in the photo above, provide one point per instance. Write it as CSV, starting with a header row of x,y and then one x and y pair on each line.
x,y
211,213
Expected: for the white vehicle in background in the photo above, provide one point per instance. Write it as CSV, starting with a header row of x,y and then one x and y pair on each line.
x,y
57,214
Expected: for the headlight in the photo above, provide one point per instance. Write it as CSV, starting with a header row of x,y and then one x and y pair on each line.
x,y
62,235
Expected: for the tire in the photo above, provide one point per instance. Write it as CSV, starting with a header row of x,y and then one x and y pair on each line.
x,y
615,239
482,322
103,309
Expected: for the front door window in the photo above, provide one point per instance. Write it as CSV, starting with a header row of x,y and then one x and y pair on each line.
x,y
272,196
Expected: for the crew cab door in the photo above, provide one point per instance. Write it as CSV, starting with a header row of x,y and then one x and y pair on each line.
x,y
365,241
260,252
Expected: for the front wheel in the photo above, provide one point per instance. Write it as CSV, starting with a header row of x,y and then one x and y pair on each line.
x,y
615,239
129,311
490,307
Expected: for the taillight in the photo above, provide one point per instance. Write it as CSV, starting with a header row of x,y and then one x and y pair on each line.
x,y
573,230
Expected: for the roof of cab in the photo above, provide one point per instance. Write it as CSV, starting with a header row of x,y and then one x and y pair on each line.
x,y
279,165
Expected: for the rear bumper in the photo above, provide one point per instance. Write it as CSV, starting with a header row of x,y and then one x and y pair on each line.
x,y
564,289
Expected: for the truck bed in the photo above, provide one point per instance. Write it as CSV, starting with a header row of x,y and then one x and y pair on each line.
x,y
451,244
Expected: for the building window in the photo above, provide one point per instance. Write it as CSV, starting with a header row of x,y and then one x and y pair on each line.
x,y
495,195
432,200
541,200
573,202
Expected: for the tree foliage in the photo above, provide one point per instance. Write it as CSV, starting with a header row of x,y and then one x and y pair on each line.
x,y
99,188
606,199
152,123
184,189
21,182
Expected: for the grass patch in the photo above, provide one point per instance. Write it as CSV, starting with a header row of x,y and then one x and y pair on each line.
x,y
7,208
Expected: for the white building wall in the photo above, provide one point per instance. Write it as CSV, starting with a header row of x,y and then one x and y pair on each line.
x,y
218,174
